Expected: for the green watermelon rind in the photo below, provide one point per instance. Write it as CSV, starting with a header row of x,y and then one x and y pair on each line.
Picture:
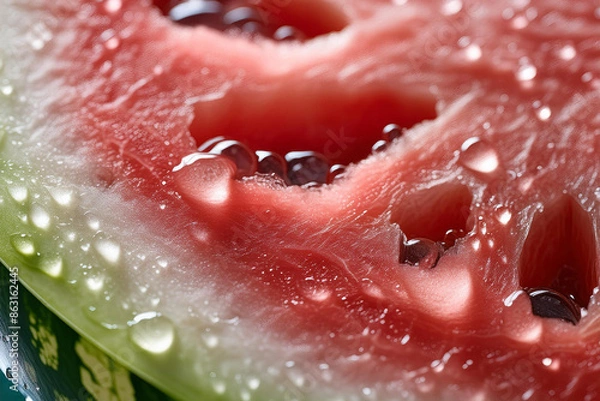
x,y
55,363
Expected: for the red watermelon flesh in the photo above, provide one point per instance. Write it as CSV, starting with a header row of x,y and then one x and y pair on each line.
x,y
305,286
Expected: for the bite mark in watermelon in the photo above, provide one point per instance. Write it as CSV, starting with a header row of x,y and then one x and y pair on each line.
x,y
211,285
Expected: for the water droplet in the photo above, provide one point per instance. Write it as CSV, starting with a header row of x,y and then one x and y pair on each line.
x,y
40,217
503,215
112,43
547,361
527,394
452,7
405,339
62,196
211,340
296,377
113,6
109,250
245,395
520,22
219,386
23,243
526,72
479,156
95,283
52,266
567,52
152,332
544,113
379,146
253,382
6,89
92,222
473,52
205,178
287,33
38,36
315,290
18,193
422,252
424,385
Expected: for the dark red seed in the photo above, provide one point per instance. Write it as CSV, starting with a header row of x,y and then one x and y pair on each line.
x,y
304,167
240,16
379,146
422,252
546,302
244,159
287,33
271,163
391,132
198,12
207,145
336,171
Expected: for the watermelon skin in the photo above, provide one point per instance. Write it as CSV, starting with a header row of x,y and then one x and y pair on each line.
x,y
55,362
115,168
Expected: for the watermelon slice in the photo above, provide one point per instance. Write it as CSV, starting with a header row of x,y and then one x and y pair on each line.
x,y
424,228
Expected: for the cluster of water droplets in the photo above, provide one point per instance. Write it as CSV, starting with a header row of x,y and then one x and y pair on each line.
x,y
54,235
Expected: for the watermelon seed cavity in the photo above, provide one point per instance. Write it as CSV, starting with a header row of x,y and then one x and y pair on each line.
x,y
552,304
559,253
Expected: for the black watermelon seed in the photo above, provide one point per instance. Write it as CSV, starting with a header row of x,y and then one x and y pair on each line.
x,y
271,163
253,28
240,16
546,302
312,184
198,12
422,252
379,146
287,33
451,237
244,159
391,132
208,144
336,171
307,166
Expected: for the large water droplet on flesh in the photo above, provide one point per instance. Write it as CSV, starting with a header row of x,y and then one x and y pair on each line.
x,y
205,178
479,156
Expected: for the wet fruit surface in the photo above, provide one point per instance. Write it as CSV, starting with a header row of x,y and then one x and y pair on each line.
x,y
400,201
